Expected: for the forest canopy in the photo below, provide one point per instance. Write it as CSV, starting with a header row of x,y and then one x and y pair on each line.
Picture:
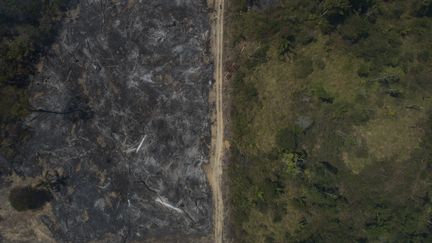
x,y
331,120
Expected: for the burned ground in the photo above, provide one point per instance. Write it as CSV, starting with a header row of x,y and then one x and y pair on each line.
x,y
119,113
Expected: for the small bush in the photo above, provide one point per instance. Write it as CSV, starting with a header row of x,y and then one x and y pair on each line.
x,y
303,68
288,139
363,71
422,8
323,94
320,64
423,56
336,11
355,28
361,6
419,78
381,49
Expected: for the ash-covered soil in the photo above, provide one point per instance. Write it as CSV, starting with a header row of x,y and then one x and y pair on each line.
x,y
119,127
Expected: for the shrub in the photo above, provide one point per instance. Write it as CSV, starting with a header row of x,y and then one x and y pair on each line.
x,y
361,6
322,94
363,71
355,28
336,11
303,67
292,164
288,139
419,78
381,49
422,8
423,56
320,64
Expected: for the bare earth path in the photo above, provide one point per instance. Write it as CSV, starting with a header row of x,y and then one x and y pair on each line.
x,y
216,169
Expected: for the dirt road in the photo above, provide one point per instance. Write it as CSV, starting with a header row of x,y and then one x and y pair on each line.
x,y
216,169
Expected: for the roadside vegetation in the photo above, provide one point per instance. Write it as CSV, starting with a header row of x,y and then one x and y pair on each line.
x,y
27,28
331,121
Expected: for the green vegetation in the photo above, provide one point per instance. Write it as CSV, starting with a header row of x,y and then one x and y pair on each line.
x,y
27,27
332,121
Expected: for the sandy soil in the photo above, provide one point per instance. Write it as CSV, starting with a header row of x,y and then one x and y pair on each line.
x,y
215,169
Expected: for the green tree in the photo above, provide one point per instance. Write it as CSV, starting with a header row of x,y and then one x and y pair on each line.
x,y
422,8
336,11
355,28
